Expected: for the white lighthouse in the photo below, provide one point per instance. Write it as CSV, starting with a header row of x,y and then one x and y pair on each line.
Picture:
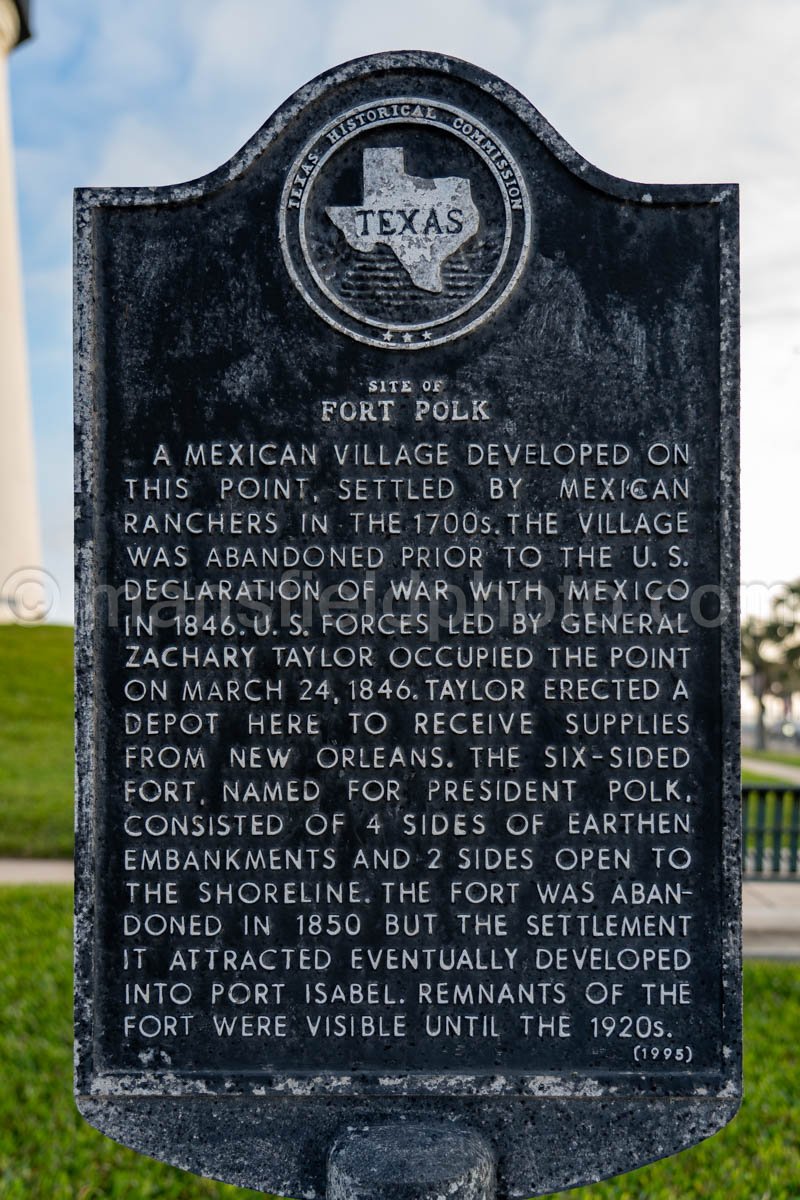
x,y
21,590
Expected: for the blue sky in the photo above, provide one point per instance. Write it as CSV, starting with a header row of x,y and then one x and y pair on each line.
x,y
118,92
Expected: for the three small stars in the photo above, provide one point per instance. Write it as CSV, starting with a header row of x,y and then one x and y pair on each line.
x,y
388,336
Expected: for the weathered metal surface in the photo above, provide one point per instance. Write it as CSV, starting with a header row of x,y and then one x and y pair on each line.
x,y
562,327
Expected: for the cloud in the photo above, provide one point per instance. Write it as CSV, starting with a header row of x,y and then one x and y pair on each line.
x,y
241,45
676,89
477,30
129,49
139,152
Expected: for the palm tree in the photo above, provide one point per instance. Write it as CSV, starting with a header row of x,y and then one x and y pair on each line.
x,y
786,617
761,655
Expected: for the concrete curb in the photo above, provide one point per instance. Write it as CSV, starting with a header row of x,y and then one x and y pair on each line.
x,y
771,919
782,772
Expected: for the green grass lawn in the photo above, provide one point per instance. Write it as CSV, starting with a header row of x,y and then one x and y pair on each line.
x,y
36,752
749,779
48,1153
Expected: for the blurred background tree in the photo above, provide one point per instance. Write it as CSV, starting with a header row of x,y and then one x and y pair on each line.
x,y
771,657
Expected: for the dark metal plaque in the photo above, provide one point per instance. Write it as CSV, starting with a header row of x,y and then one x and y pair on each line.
x,y
407,646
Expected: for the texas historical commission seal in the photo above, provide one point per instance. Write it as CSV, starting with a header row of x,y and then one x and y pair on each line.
x,y
405,223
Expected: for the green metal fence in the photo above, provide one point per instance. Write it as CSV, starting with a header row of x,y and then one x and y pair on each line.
x,y
771,831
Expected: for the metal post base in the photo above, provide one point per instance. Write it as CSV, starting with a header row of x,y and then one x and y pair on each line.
x,y
411,1162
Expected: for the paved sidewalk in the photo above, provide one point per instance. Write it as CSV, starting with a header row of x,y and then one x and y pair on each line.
x,y
35,870
771,911
770,769
771,919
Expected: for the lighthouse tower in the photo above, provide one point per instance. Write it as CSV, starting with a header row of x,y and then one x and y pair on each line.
x,y
21,580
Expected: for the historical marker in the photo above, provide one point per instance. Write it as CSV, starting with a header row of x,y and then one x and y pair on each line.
x,y
407,652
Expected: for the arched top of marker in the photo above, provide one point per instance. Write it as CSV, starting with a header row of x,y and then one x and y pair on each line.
x,y
379,70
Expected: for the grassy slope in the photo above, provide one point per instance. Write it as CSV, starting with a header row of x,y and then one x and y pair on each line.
x,y
750,780
48,1153
36,741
